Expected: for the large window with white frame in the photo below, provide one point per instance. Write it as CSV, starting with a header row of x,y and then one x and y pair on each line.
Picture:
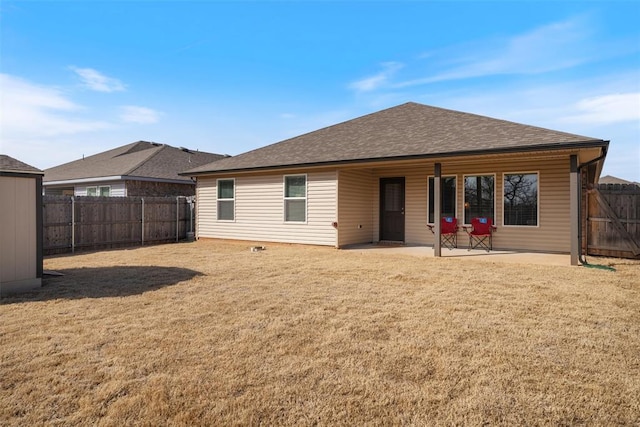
x,y
479,197
447,197
295,198
520,198
226,199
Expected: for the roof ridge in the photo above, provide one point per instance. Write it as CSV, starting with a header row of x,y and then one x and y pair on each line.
x,y
146,159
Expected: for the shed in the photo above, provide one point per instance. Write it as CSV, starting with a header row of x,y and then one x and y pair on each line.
x,y
20,226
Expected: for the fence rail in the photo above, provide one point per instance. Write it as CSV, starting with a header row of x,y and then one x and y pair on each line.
x,y
82,223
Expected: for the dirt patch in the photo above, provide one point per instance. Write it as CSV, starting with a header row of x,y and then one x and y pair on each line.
x,y
213,333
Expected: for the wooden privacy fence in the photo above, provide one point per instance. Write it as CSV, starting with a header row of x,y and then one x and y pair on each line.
x,y
613,220
81,223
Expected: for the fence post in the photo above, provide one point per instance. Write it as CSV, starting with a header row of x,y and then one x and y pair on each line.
x,y
73,224
142,242
177,217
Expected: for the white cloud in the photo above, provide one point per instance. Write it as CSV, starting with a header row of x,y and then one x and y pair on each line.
x,y
97,81
31,110
550,47
607,109
141,115
374,82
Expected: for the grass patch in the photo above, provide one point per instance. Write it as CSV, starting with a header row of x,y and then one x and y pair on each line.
x,y
211,333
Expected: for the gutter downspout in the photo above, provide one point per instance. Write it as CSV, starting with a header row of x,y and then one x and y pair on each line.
x,y
581,256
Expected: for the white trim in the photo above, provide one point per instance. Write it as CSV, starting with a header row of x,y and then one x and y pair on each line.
x,y
117,178
537,173
285,198
82,181
464,195
455,214
218,199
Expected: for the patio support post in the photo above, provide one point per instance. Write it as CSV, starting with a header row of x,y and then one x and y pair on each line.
x,y
436,208
573,208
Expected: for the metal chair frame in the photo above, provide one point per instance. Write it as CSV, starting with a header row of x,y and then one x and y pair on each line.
x,y
448,232
481,233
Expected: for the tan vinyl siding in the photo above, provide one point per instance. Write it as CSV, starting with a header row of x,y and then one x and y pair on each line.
x,y
259,210
18,246
552,232
259,207
356,192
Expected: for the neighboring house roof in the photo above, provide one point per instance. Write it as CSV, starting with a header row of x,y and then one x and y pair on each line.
x,y
140,159
409,130
9,164
608,179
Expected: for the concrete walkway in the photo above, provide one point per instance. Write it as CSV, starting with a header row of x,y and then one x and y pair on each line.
x,y
516,257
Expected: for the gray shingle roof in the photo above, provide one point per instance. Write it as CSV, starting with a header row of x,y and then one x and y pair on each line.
x,y
405,131
608,179
9,164
139,159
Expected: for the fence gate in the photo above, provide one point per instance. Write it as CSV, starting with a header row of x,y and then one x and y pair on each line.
x,y
613,220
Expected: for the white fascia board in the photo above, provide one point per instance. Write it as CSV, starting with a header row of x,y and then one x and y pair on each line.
x,y
116,178
83,180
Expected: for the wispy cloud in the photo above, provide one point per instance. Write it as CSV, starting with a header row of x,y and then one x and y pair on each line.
x,y
31,110
377,80
607,109
97,81
550,47
140,115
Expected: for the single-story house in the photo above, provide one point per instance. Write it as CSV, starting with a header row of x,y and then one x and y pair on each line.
x,y
609,179
20,226
380,177
138,169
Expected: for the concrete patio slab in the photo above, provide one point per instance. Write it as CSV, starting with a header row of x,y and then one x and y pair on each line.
x,y
516,257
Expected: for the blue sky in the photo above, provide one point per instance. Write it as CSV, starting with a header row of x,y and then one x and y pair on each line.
x,y
81,77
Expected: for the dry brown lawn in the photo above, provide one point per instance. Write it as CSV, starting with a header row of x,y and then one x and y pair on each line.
x,y
209,333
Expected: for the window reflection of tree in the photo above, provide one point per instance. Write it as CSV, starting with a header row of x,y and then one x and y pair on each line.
x,y
479,196
521,199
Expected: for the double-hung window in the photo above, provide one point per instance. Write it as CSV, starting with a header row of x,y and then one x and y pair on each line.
x,y
521,199
447,197
295,198
479,197
226,199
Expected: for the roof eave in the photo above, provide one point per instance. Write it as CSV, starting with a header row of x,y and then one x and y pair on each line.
x,y
532,148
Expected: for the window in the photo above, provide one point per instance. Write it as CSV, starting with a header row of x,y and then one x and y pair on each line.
x,y
479,197
104,191
521,199
226,199
447,199
295,198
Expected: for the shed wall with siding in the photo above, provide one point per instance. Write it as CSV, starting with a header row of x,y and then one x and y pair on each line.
x,y
259,210
19,252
